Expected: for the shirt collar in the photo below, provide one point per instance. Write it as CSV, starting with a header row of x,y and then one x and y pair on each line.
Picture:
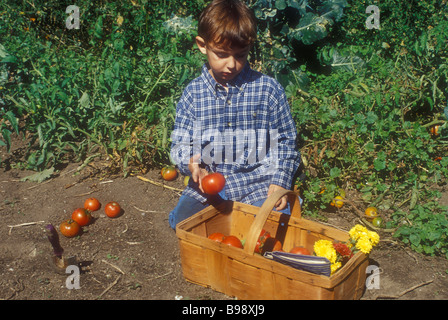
x,y
239,81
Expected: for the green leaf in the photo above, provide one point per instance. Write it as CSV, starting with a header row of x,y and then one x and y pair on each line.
x,y
40,176
415,239
335,172
379,164
280,4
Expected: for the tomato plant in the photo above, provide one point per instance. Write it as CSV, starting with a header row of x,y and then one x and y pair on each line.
x,y
81,216
233,241
112,209
69,228
92,204
217,236
169,173
213,183
300,250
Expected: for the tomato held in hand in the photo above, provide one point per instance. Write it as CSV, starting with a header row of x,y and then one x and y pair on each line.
x,y
169,173
213,183
92,204
81,216
69,228
233,241
112,209
217,236
300,250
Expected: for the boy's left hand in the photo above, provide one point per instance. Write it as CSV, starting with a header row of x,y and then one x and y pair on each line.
x,y
282,203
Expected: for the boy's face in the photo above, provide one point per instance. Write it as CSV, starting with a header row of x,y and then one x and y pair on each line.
x,y
225,63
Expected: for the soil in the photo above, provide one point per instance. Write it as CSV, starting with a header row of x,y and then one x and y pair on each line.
x,y
136,256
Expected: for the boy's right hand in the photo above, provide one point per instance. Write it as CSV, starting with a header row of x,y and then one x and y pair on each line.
x,y
197,173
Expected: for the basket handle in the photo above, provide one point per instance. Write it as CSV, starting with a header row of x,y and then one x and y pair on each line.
x,y
265,211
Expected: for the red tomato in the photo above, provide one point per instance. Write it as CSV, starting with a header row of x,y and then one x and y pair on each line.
x,y
300,250
264,235
272,244
92,204
233,241
82,216
69,228
213,183
169,173
112,209
217,236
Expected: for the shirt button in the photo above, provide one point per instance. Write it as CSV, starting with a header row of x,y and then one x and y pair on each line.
x,y
229,102
229,124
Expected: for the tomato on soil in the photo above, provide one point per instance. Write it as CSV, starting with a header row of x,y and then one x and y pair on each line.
x,y
169,173
337,202
69,228
217,236
377,222
434,130
81,216
112,209
233,241
300,250
371,213
92,204
213,183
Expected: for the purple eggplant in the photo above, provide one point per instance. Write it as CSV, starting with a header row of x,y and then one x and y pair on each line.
x,y
53,237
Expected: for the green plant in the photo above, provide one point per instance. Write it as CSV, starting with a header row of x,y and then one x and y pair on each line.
x,y
110,86
425,228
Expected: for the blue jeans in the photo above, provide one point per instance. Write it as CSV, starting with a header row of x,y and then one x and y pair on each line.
x,y
188,206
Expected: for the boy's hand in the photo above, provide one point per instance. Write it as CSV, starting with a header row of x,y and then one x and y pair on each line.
x,y
197,173
282,203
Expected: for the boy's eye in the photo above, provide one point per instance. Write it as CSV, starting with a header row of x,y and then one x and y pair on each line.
x,y
222,55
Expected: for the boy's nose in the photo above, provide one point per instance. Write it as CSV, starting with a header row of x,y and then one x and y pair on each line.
x,y
231,63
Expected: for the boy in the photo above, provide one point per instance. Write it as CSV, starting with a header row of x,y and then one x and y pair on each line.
x,y
232,119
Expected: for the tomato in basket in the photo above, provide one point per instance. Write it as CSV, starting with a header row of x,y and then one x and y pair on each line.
x,y
300,250
217,236
233,241
264,235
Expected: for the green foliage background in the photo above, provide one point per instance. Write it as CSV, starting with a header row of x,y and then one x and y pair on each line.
x,y
364,100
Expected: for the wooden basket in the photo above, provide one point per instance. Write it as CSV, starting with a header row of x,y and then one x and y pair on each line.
x,y
246,275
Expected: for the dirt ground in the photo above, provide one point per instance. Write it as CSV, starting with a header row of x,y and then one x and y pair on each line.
x,y
136,256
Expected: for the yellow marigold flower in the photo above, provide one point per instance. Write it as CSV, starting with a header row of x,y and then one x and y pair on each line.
x,y
335,266
324,248
374,237
364,245
357,231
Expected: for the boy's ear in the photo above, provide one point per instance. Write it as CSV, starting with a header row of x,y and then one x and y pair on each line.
x,y
201,45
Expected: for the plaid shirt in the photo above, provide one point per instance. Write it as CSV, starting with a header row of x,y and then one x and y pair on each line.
x,y
246,133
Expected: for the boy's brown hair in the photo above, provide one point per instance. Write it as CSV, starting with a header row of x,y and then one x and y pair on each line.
x,y
228,23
